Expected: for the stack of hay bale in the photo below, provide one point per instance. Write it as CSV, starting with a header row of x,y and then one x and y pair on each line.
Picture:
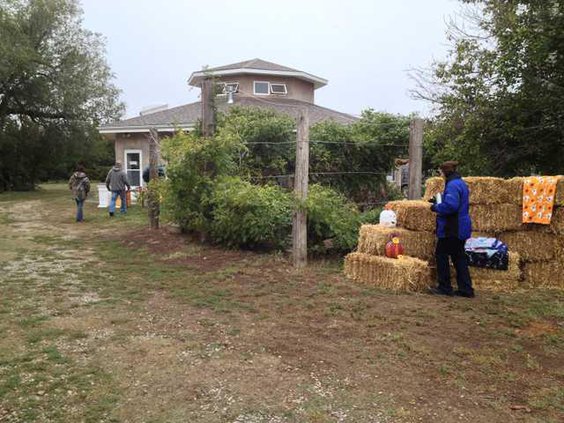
x,y
536,255
408,273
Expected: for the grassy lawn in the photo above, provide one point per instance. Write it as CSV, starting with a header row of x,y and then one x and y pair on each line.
x,y
108,321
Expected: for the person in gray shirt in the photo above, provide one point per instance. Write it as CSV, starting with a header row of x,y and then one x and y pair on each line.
x,y
118,184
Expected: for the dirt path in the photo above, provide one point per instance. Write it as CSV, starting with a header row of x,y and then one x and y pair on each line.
x,y
107,321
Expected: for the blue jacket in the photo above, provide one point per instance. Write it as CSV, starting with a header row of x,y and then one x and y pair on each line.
x,y
453,218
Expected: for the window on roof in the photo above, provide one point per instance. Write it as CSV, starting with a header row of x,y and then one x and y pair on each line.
x,y
278,89
261,88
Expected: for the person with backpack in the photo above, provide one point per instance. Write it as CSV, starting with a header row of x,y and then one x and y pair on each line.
x,y
79,184
117,183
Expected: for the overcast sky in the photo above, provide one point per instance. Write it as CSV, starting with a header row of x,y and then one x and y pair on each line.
x,y
363,47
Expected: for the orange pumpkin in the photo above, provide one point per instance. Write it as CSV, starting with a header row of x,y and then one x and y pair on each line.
x,y
394,247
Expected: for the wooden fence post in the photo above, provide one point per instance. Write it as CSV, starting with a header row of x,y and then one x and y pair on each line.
x,y
299,220
415,159
153,197
208,108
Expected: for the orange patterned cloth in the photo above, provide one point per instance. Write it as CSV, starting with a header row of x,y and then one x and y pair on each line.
x,y
538,199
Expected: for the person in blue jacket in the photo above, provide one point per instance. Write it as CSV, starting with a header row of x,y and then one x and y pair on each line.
x,y
454,227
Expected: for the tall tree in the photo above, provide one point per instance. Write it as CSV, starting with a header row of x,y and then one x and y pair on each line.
x,y
55,88
500,94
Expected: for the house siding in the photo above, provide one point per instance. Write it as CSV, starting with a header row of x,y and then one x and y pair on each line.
x,y
132,142
297,88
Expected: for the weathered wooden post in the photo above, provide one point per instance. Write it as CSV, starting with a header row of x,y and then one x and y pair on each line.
x,y
299,221
415,159
153,197
208,108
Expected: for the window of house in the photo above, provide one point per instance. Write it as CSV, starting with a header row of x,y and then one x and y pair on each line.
x,y
278,89
261,88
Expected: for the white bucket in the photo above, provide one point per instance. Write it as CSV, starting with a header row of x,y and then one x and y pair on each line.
x,y
104,196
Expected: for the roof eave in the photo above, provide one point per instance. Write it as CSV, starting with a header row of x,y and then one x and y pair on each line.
x,y
143,128
197,77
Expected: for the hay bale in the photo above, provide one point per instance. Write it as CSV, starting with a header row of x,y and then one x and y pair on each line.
x,y
545,274
433,186
483,189
476,234
406,274
490,190
496,280
414,214
373,239
496,217
533,245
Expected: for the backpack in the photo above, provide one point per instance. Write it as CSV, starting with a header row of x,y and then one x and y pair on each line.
x,y
81,189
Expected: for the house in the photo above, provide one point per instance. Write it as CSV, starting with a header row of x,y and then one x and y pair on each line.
x,y
254,82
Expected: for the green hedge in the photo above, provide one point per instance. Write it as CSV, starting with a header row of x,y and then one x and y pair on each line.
x,y
247,215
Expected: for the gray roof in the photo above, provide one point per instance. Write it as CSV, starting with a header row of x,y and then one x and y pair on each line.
x,y
255,67
187,115
254,64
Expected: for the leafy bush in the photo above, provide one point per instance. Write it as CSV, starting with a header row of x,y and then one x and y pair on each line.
x,y
252,216
371,216
193,165
331,216
249,125
368,147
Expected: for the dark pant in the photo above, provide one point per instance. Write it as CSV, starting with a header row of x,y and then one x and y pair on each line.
x,y
454,248
79,212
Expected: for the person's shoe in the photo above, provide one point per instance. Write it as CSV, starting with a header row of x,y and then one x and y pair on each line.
x,y
111,214
438,291
464,294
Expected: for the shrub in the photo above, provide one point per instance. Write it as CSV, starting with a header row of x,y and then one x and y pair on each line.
x,y
371,216
252,216
331,216
193,165
249,125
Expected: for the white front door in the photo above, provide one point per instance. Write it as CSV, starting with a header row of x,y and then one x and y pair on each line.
x,y
133,160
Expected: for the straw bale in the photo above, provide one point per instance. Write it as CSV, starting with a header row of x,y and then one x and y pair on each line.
x,y
483,189
546,274
433,186
534,245
373,239
490,190
477,234
496,217
414,214
406,274
493,279
557,221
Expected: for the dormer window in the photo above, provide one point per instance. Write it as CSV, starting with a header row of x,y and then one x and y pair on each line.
x,y
261,88
279,89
